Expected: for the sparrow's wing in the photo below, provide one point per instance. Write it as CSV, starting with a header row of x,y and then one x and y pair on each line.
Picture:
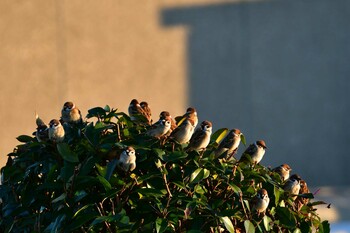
x,y
250,150
177,129
38,120
196,138
226,142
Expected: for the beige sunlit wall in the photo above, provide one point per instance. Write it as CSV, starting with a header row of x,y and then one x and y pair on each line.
x,y
90,52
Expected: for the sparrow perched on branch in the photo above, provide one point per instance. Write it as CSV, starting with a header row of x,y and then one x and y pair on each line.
x,y
42,131
165,114
191,114
230,143
292,186
127,159
185,129
70,113
283,170
301,201
56,131
256,152
261,201
148,114
137,113
160,128
201,137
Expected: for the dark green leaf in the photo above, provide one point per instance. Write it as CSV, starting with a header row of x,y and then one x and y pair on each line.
x,y
25,138
174,156
110,168
104,183
286,217
96,112
161,225
66,153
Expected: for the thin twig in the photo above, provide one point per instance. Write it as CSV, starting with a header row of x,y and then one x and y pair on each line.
x,y
106,223
166,185
241,200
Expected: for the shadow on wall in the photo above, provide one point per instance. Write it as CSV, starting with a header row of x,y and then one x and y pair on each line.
x,y
279,71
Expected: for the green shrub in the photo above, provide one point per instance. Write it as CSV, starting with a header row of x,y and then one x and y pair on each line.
x,y
74,186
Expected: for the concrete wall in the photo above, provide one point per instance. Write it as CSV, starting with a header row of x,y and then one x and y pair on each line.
x,y
278,70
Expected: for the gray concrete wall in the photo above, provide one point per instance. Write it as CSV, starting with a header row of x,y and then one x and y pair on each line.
x,y
278,70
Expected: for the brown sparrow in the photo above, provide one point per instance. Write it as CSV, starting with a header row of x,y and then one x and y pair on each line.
x,y
256,152
165,114
300,201
185,129
127,159
230,143
136,112
183,133
148,114
261,201
201,137
160,128
42,131
292,186
283,170
70,113
56,131
191,114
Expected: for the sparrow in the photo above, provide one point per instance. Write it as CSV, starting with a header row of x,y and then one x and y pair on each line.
x,y
261,201
160,128
292,186
183,133
201,137
283,170
42,130
301,201
230,143
127,159
256,152
56,131
144,105
185,129
165,114
70,113
136,112
191,114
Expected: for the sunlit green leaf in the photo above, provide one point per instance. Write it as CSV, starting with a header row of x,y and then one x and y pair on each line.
x,y
197,175
218,135
267,220
150,192
228,224
243,139
249,226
